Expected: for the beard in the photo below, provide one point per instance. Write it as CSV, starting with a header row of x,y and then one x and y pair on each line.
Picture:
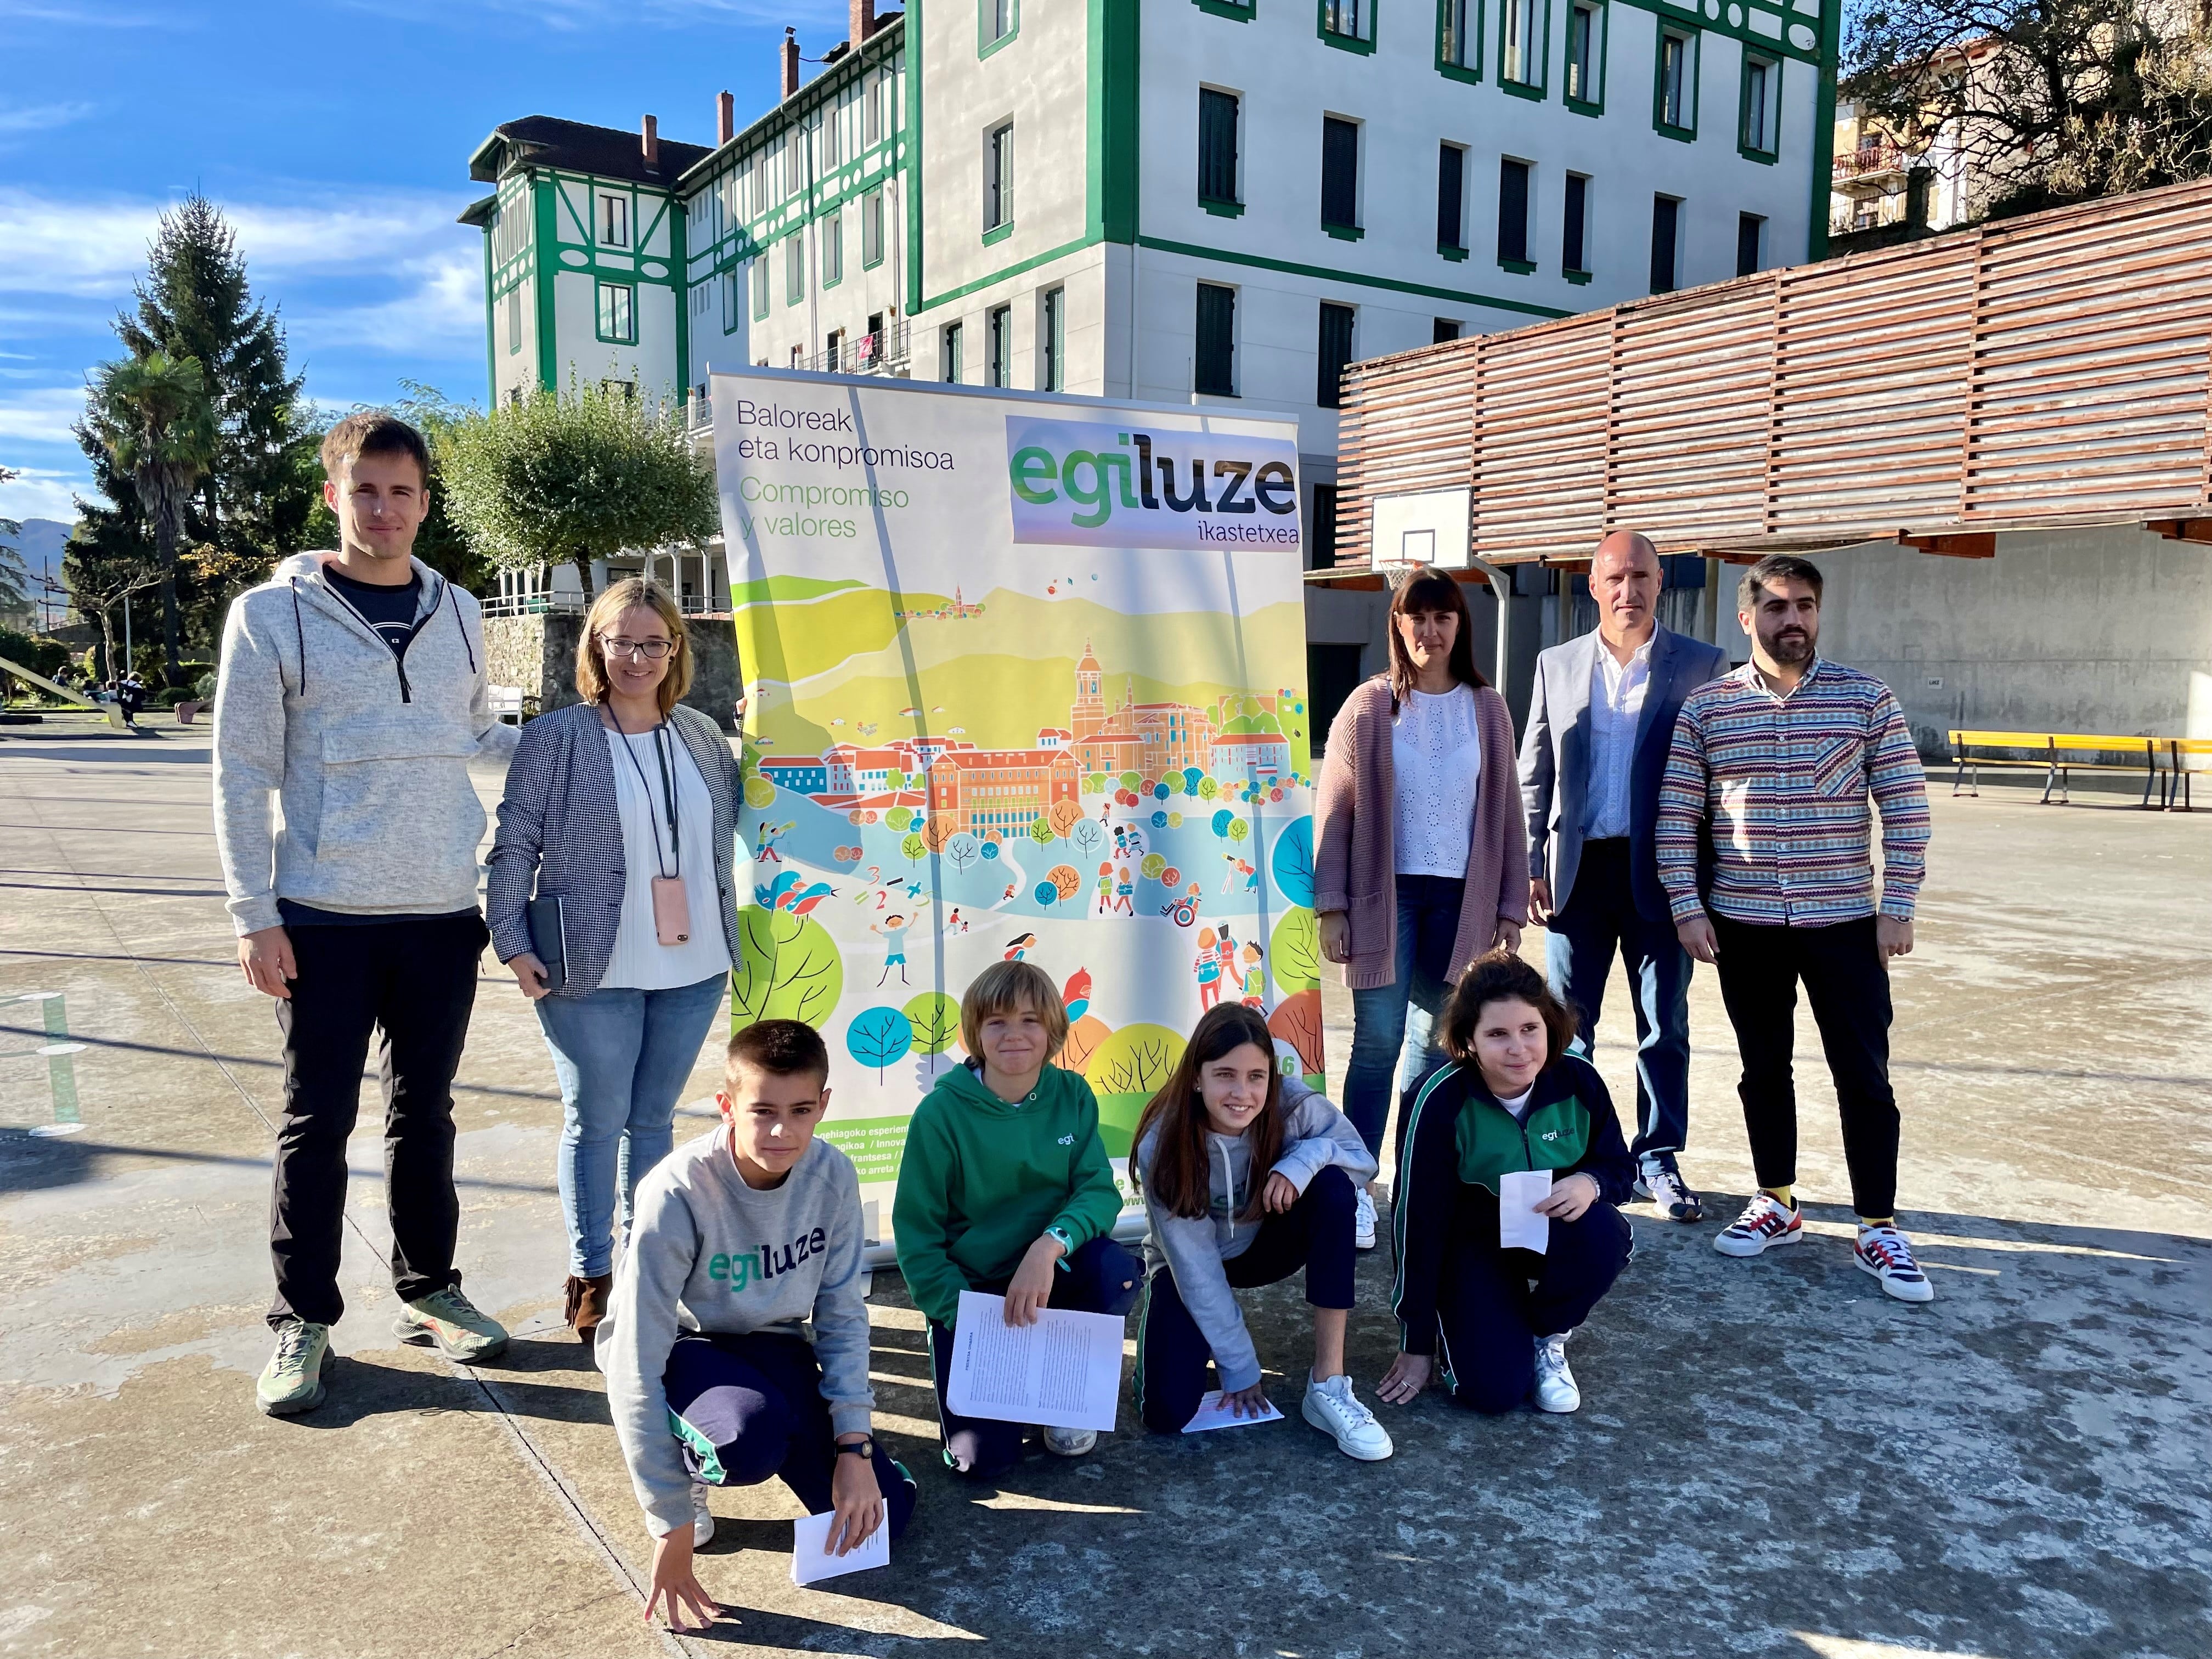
x,y
1791,646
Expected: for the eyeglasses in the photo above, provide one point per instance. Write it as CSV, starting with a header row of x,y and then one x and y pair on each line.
x,y
651,650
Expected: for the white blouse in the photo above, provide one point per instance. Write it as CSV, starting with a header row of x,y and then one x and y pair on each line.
x,y
641,962
1436,759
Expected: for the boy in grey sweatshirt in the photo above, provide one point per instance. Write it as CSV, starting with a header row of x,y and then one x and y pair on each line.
x,y
741,1239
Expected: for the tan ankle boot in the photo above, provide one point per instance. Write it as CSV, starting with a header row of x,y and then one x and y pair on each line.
x,y
585,1302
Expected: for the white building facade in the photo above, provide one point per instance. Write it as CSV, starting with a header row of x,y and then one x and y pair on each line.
x,y
1207,201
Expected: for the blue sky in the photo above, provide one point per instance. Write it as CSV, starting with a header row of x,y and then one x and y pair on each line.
x,y
336,138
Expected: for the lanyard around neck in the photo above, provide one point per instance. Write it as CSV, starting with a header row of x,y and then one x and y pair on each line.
x,y
668,790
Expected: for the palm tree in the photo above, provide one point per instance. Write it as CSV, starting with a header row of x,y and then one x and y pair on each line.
x,y
153,414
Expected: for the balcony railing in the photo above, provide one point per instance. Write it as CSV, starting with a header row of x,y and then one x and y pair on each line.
x,y
1869,160
881,353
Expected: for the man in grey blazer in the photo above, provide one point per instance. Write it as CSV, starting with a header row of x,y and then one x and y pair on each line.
x,y
1600,721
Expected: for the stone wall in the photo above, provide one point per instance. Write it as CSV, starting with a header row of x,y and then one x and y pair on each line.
x,y
538,654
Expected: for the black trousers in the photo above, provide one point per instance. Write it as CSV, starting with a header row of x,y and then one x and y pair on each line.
x,y
1101,1277
410,984
1848,986
1492,1302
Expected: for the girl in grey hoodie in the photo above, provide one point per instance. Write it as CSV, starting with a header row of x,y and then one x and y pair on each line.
x,y
1248,1175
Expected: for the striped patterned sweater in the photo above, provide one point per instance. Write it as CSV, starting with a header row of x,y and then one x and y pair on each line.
x,y
1783,782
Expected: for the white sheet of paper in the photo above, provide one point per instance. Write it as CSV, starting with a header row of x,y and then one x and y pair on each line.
x,y
1519,1226
1211,1414
810,1560
1063,1372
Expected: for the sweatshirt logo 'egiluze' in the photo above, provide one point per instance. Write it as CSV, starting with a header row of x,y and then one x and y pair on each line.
x,y
741,1269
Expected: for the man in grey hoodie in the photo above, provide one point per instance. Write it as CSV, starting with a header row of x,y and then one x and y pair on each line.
x,y
353,690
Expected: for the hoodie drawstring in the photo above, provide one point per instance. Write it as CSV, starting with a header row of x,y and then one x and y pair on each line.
x,y
466,647
299,632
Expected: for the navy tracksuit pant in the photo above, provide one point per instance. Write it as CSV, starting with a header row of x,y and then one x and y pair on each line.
x,y
757,1400
1315,1233
1100,1278
1489,1313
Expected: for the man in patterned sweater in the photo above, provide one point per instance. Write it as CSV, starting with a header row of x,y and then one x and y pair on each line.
x,y
1764,848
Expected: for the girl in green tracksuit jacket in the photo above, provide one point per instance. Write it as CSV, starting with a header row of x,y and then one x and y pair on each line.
x,y
1508,1100
1005,1188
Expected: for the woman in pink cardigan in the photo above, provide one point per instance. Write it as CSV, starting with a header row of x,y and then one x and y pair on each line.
x,y
1421,861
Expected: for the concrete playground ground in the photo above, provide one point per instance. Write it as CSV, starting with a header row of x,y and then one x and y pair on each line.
x,y
1773,1459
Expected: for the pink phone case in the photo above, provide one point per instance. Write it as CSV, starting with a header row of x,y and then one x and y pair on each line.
x,y
671,913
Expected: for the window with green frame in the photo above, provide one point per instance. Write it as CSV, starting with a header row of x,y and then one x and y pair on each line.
x,y
1241,10
1758,109
1459,38
1218,113
730,301
871,229
794,269
1675,85
756,279
997,22
833,248
1349,24
1583,64
1524,29
617,313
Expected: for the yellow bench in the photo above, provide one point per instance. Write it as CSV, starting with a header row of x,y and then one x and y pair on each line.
x,y
2056,754
2177,750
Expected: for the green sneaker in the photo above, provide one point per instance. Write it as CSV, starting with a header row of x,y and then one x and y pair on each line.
x,y
449,1321
292,1381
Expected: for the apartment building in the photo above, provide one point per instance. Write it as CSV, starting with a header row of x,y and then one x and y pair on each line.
x,y
1188,201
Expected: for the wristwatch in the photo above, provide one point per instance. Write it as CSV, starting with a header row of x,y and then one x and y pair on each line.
x,y
864,1446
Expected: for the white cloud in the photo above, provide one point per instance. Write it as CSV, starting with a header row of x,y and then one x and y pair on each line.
x,y
97,247
38,118
443,308
40,494
41,414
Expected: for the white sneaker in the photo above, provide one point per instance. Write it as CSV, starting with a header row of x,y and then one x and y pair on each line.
x,y
1766,1221
1070,1443
1333,1408
1883,1251
1555,1383
1363,1221
702,1518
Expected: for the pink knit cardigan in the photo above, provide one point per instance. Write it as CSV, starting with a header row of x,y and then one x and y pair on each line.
x,y
1353,869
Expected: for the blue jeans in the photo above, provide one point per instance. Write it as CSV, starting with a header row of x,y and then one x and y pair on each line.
x,y
622,1057
1391,1024
1601,916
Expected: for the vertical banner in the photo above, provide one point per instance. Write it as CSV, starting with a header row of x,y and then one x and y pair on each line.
x,y
1026,681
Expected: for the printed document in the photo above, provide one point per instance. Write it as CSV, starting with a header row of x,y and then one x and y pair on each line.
x,y
1519,1226
1063,1372
1213,1413
809,1555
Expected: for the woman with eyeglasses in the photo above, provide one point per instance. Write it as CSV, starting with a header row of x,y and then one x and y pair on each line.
x,y
619,822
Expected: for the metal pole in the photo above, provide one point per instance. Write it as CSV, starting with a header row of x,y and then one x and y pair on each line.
x,y
1501,586
119,672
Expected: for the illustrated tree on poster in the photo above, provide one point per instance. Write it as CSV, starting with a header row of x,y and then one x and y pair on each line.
x,y
1295,950
1293,863
1087,838
789,968
1296,1021
1064,815
1136,1060
962,850
879,1037
914,847
1040,832
899,819
935,1019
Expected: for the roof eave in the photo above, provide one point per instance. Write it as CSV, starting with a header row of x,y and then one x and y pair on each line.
x,y
698,169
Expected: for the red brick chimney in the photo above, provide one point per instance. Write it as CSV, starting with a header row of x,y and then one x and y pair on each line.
x,y
790,62
863,21
651,136
726,118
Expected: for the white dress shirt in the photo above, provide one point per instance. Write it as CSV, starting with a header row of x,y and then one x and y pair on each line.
x,y
1617,691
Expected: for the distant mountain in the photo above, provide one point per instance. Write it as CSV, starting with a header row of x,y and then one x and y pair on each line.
x,y
41,545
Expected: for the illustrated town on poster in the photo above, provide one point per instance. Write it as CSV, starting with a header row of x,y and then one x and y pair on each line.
x,y
1059,771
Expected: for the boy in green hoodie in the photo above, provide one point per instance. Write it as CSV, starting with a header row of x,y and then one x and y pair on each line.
x,y
1005,1188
